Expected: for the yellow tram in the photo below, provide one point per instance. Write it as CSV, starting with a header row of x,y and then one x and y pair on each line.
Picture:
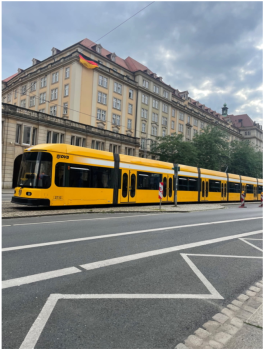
x,y
67,175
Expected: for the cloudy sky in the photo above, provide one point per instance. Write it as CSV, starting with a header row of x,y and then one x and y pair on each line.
x,y
212,49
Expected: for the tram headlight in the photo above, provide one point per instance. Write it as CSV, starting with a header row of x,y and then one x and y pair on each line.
x,y
28,194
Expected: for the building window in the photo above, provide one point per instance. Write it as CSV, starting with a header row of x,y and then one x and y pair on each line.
x,y
15,94
9,97
26,135
72,140
180,127
165,108
155,117
116,119
53,110
34,136
195,132
188,119
202,125
130,108
55,77
164,121
173,112
102,98
42,98
18,133
33,86
78,141
145,83
130,94
144,113
154,130
181,116
172,124
48,137
156,89
23,103
117,104
143,127
67,72
55,138
143,143
54,94
195,122
62,138
163,132
24,89
102,81
155,104
101,114
144,99
165,94
43,82
32,101
118,88
188,132
129,123
66,90
65,108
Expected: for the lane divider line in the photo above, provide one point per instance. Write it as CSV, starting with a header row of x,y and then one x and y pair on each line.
x,y
104,236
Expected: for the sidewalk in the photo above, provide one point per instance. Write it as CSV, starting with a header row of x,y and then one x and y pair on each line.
x,y
238,326
10,210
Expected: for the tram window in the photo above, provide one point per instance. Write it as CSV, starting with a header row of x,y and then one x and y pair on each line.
x,y
148,181
260,189
133,185
45,168
182,184
193,184
165,187
249,188
59,174
170,187
214,186
124,190
188,184
233,187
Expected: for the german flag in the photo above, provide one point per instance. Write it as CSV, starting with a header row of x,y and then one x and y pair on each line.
x,y
84,60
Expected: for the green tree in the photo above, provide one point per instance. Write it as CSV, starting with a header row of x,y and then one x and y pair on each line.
x,y
172,148
212,148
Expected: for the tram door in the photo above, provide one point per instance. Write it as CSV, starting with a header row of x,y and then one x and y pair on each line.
x,y
223,191
204,189
255,191
128,186
167,187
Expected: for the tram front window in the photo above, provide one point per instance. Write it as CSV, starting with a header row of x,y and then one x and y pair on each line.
x,y
35,170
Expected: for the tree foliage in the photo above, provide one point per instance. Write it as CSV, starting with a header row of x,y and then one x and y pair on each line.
x,y
211,150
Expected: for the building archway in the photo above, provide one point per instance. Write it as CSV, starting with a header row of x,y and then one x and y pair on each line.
x,y
17,163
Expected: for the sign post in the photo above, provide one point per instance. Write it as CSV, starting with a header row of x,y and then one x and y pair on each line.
x,y
160,193
176,170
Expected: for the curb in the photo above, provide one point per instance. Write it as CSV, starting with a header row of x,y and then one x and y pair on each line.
x,y
216,333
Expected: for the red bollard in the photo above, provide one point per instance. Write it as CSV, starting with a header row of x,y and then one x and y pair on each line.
x,y
243,200
261,199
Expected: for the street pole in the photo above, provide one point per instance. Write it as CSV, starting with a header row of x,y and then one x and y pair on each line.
x,y
176,185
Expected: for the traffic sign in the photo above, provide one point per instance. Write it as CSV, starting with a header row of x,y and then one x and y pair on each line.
x,y
160,190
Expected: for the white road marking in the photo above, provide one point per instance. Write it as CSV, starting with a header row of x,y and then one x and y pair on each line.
x,y
39,277
253,239
245,241
99,264
120,234
80,220
36,329
232,256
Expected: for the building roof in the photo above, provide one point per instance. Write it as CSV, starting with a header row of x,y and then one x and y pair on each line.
x,y
240,120
7,79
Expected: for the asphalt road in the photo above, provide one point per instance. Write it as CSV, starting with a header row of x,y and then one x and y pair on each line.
x,y
124,280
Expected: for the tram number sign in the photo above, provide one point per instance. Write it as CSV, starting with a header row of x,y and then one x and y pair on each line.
x,y
160,190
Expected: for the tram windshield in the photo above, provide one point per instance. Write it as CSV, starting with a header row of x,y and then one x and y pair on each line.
x,y
35,170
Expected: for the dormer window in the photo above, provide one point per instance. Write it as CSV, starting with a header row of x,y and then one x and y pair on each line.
x,y
54,51
97,48
112,57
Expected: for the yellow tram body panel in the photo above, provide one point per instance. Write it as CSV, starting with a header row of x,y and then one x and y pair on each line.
x,y
187,180
249,186
213,185
140,179
234,187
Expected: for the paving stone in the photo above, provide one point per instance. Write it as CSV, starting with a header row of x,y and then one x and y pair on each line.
x,y
237,303
215,344
207,347
250,293
237,322
193,341
254,288
227,312
233,308
259,285
221,318
229,328
243,315
252,302
249,309
222,337
242,297
259,299
181,346
201,333
211,326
